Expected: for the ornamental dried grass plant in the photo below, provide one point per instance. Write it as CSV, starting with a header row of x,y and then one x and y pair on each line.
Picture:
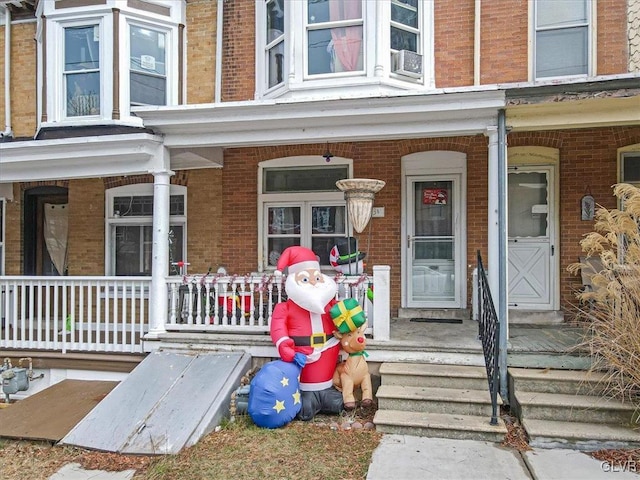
x,y
610,310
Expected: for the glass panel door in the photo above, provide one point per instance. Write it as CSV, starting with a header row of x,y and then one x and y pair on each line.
x,y
433,242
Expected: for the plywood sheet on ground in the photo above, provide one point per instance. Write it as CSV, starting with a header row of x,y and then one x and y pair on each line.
x,y
53,412
166,403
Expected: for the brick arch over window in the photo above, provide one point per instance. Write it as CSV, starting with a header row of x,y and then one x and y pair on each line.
x,y
538,139
180,178
46,183
453,144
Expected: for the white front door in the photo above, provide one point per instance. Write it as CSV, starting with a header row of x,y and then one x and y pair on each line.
x,y
434,276
532,270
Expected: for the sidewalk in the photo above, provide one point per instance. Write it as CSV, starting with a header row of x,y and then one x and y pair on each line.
x,y
405,457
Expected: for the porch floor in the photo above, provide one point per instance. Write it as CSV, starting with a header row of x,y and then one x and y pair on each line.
x,y
535,346
557,338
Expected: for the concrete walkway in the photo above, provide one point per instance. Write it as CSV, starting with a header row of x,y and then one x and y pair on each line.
x,y
405,457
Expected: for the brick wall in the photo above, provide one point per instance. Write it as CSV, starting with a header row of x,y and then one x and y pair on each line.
x,y
238,76
201,50
23,79
86,227
504,37
612,37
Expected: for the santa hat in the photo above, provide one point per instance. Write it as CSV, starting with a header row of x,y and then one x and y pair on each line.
x,y
297,259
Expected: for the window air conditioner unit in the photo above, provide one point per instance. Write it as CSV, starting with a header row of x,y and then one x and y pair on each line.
x,y
406,62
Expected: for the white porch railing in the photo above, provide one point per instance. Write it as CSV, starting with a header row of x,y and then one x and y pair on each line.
x,y
102,314
111,314
244,304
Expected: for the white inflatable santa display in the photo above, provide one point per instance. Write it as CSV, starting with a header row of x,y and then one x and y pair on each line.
x,y
303,324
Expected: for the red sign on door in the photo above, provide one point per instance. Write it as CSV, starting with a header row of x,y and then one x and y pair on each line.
x,y
434,196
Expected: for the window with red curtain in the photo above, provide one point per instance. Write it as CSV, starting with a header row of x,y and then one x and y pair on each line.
x,y
334,36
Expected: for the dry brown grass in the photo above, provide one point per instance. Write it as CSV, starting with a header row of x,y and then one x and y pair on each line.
x,y
611,312
240,450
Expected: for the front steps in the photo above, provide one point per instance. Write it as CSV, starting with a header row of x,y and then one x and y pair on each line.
x,y
445,401
565,409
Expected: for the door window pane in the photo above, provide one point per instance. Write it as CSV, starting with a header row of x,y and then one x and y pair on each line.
x,y
528,209
284,221
133,248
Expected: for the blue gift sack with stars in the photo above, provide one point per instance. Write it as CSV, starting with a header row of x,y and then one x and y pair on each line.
x,y
274,394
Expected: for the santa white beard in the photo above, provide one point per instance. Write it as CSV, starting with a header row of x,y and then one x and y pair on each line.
x,y
312,297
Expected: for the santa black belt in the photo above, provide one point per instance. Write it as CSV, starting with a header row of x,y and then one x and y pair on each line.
x,y
315,340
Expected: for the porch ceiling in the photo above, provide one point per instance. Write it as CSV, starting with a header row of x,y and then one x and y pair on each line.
x,y
278,122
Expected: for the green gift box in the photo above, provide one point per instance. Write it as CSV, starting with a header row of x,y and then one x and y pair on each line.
x,y
347,315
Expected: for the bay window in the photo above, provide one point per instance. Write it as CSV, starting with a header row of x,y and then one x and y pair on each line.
x,y
129,229
342,45
300,205
100,60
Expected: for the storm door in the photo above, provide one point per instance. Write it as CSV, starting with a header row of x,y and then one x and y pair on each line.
x,y
433,242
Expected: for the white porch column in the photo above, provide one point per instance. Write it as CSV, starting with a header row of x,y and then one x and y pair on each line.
x,y
381,302
493,231
159,294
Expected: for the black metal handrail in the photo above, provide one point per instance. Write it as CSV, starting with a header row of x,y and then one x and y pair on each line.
x,y
488,332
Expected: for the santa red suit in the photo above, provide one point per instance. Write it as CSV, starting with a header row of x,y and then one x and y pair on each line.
x,y
302,324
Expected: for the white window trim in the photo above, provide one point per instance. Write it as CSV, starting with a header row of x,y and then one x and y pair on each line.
x,y
376,55
111,220
171,60
634,149
56,97
591,44
295,198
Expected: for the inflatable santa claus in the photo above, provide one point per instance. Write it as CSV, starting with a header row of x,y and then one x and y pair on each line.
x,y
302,324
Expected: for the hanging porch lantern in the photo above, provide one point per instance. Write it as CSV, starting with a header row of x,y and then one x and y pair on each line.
x,y
359,194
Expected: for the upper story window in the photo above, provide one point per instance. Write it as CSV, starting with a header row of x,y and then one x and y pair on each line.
x,y
129,229
82,70
274,42
147,66
102,59
299,204
310,46
562,38
334,36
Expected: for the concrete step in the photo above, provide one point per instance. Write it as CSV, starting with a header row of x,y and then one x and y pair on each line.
x,y
556,381
577,408
440,425
435,400
430,375
579,436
